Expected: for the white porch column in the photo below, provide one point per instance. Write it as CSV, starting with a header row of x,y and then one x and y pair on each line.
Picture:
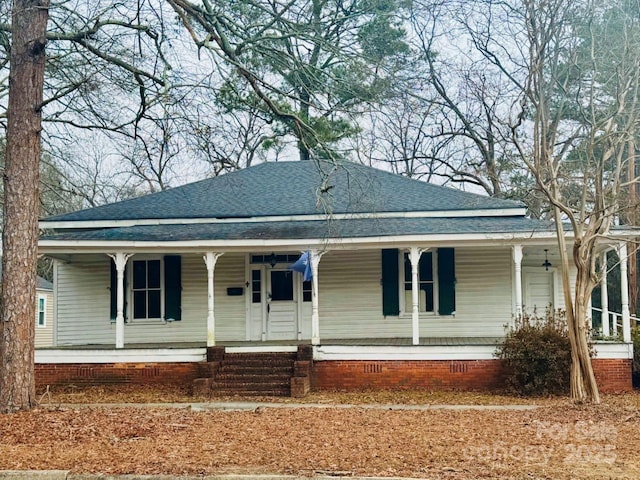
x,y
624,294
414,257
210,260
604,294
120,260
516,251
315,315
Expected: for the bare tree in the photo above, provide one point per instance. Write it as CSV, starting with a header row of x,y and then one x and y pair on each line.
x,y
582,116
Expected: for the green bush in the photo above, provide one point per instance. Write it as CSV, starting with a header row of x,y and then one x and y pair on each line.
x,y
536,355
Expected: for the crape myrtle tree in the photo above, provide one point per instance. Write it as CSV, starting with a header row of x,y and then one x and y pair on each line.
x,y
538,100
577,110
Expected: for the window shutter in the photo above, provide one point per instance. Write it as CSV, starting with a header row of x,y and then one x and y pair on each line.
x,y
390,285
173,287
446,281
113,288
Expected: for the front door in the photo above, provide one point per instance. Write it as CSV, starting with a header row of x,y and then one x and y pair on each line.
x,y
282,307
538,291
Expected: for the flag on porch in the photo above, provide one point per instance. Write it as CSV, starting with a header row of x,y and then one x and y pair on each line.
x,y
303,265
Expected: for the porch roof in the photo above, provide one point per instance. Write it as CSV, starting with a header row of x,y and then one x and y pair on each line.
x,y
299,230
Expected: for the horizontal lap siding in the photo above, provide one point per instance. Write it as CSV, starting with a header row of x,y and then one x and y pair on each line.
x,y
84,304
229,310
483,295
350,297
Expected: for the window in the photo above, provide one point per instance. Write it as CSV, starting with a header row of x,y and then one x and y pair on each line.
x,y
436,282
153,289
426,285
41,311
306,291
146,289
256,286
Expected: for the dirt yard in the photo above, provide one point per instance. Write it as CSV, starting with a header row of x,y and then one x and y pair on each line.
x,y
555,441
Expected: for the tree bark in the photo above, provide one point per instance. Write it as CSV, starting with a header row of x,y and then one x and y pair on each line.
x,y
21,205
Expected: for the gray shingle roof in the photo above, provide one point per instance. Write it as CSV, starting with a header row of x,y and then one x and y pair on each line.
x,y
351,228
292,188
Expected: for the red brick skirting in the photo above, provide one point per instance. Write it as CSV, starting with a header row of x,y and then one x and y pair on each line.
x,y
181,374
474,375
613,375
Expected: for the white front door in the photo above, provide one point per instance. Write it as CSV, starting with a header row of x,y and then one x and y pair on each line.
x,y
282,305
538,291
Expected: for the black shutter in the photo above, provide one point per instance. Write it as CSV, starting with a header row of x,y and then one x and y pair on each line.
x,y
114,290
390,285
172,287
446,281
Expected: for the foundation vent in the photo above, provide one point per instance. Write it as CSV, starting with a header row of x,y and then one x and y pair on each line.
x,y
372,368
456,367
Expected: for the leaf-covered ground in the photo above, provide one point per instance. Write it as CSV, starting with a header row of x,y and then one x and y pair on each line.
x,y
555,441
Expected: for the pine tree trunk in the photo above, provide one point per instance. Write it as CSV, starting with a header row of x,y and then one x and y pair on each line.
x,y
21,205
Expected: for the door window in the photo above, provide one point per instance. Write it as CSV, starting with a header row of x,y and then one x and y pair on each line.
x,y
281,285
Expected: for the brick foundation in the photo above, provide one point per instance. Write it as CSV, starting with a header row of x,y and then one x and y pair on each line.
x,y
613,375
407,375
181,374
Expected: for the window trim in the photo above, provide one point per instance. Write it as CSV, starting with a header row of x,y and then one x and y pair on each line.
x,y
130,297
43,297
406,310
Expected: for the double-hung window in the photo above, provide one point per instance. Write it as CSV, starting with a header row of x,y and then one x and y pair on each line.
x,y
152,288
41,318
436,282
426,287
146,290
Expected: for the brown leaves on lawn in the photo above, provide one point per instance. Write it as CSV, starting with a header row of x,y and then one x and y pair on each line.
x,y
558,441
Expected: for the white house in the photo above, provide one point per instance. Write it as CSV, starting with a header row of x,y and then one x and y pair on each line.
x,y
402,272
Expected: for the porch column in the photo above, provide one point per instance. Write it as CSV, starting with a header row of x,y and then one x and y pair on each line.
x,y
120,260
604,294
414,257
516,251
624,294
210,260
315,316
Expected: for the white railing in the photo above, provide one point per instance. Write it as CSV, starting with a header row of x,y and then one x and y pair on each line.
x,y
613,323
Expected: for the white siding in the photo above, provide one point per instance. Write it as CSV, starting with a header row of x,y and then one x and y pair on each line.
x,y
84,304
483,295
350,297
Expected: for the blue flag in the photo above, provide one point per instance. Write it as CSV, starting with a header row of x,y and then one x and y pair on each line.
x,y
303,265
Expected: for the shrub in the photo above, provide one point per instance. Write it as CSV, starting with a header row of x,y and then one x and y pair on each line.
x,y
536,355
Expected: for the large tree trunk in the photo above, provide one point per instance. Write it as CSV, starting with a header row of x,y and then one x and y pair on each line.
x,y
21,204
583,385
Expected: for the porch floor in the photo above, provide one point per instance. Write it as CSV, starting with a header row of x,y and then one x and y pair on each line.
x,y
427,341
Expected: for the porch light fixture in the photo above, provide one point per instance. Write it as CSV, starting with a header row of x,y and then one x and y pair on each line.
x,y
272,259
546,263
